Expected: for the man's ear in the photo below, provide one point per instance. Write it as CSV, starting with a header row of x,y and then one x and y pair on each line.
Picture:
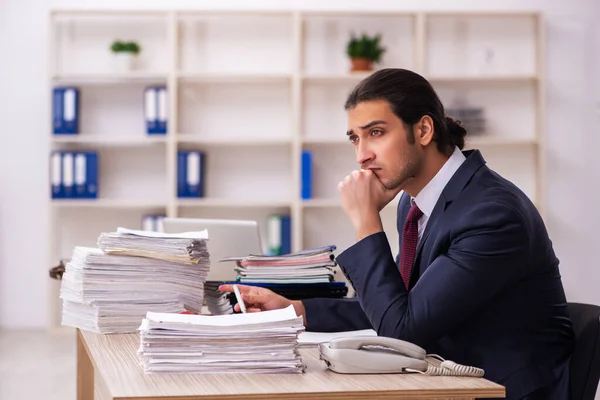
x,y
425,130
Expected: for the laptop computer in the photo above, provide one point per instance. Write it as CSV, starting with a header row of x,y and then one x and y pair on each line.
x,y
226,238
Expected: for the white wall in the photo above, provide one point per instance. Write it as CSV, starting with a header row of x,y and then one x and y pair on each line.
x,y
572,123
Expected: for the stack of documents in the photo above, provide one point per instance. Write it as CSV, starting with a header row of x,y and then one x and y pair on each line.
x,y
217,302
265,342
111,293
306,266
187,247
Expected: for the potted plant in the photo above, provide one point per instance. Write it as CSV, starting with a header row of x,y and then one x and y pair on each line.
x,y
125,54
364,51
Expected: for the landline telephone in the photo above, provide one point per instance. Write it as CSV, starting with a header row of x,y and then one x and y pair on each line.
x,y
384,355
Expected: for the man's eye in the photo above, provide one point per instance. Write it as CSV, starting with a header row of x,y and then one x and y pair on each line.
x,y
375,132
352,138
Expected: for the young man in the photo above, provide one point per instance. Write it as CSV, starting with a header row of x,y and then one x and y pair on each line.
x,y
476,280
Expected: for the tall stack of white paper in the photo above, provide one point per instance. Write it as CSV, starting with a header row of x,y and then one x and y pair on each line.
x,y
111,293
265,342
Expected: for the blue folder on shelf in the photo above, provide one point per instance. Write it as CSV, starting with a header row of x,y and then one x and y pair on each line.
x,y
190,174
74,175
306,175
65,110
279,234
156,110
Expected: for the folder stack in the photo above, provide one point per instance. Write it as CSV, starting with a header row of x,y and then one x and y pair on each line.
x,y
106,290
305,266
265,342
300,275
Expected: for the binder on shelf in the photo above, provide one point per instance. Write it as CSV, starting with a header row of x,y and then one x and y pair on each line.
x,y
74,175
279,234
91,175
155,110
68,165
86,175
65,110
153,222
190,174
56,175
162,110
181,168
306,171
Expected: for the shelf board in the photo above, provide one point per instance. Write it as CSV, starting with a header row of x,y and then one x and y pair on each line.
x,y
484,141
192,138
482,79
234,77
109,140
322,203
106,203
336,203
109,78
232,203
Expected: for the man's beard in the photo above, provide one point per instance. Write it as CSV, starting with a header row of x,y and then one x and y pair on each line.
x,y
409,171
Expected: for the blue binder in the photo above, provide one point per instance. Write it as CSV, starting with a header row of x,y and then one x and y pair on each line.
x,y
86,175
153,222
286,234
306,170
56,175
162,104
190,174
156,110
80,174
181,174
91,176
279,234
65,110
68,174
195,174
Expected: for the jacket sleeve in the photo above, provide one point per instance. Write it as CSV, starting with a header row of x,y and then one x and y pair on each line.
x,y
335,315
488,248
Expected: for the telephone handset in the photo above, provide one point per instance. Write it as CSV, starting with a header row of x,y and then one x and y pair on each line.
x,y
383,355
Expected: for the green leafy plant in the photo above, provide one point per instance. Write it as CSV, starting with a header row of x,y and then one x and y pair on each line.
x,y
365,47
119,46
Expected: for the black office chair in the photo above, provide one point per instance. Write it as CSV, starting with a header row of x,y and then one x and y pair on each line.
x,y
585,361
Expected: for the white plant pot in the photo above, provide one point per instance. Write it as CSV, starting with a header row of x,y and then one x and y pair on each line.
x,y
124,62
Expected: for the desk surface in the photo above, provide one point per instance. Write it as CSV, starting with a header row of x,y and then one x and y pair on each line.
x,y
116,364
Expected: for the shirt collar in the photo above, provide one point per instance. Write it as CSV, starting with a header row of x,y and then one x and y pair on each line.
x,y
428,197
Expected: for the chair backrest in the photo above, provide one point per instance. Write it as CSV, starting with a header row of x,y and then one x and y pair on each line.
x,y
585,362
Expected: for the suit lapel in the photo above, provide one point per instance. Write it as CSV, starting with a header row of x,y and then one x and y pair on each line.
x,y
457,183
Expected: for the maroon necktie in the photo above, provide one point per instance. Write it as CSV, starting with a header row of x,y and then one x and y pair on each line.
x,y
410,238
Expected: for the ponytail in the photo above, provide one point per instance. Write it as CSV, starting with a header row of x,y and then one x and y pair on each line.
x,y
456,132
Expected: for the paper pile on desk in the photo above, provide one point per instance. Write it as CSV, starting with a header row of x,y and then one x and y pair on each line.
x,y
187,247
216,301
108,293
265,342
306,266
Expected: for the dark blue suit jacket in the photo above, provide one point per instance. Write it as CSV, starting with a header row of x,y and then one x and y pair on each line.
x,y
485,290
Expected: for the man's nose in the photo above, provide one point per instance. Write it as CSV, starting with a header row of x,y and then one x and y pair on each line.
x,y
364,154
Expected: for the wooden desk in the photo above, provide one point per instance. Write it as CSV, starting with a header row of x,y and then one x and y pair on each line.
x,y
108,368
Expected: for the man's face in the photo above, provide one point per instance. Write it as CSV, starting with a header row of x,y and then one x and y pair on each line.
x,y
381,143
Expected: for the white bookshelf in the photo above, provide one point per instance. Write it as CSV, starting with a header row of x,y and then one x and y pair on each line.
x,y
252,89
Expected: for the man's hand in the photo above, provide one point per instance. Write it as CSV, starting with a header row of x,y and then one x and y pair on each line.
x,y
363,197
261,299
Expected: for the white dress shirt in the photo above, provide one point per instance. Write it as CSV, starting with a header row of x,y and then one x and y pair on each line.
x,y
429,195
